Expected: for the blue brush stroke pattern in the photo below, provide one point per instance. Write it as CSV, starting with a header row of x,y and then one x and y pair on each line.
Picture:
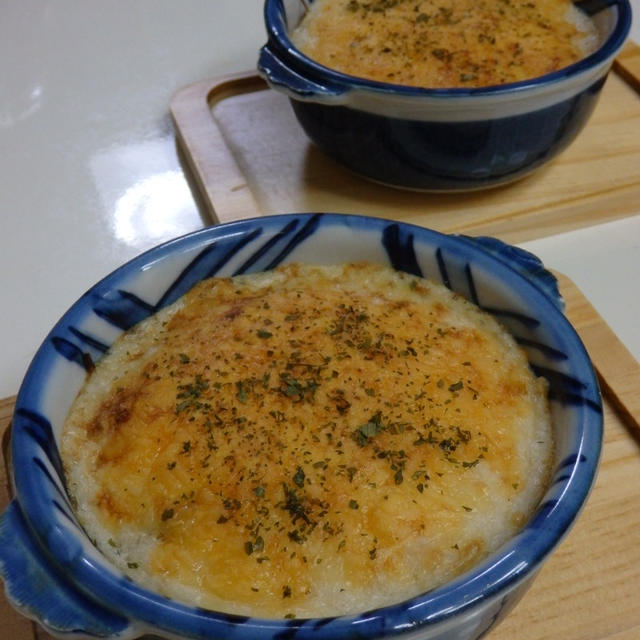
x,y
124,309
40,430
400,249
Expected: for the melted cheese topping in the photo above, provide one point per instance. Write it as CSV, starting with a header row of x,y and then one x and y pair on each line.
x,y
445,44
309,441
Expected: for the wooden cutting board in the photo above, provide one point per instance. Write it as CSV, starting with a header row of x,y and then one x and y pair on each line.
x,y
248,157
589,588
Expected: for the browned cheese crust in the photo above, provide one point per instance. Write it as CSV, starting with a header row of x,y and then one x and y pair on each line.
x,y
308,441
445,43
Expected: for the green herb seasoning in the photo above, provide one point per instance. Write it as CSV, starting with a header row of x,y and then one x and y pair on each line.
x,y
285,424
445,44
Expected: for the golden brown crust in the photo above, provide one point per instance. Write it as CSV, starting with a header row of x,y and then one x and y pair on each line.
x,y
445,44
309,435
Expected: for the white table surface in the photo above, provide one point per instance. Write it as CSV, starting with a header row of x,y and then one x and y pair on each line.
x,y
89,172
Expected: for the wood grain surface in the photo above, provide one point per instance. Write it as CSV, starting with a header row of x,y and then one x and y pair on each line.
x,y
627,65
589,588
249,157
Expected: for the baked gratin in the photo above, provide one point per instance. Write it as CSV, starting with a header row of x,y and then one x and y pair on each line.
x,y
309,441
445,43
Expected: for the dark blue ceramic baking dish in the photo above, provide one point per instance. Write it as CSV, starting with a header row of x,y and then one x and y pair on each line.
x,y
440,139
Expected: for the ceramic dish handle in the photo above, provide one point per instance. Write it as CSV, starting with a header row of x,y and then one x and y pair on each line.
x,y
41,592
527,264
278,74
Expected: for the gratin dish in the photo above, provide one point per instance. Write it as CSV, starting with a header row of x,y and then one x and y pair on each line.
x,y
54,574
440,139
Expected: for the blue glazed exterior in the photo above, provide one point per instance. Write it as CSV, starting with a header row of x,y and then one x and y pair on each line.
x,y
490,136
445,156
54,574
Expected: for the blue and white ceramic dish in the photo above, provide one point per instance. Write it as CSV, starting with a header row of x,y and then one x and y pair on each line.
x,y
440,139
52,572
